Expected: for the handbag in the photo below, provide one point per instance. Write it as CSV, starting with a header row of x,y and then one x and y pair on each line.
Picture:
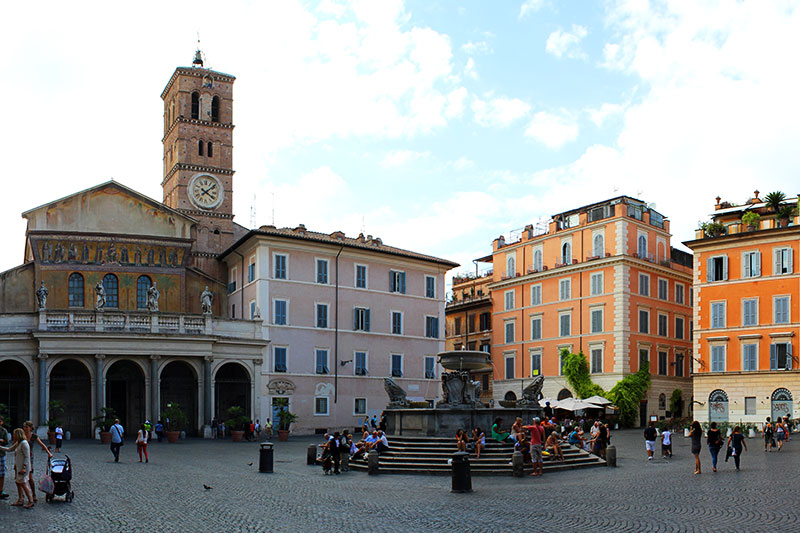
x,y
728,453
46,484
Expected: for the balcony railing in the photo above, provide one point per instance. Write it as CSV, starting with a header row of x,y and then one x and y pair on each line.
x,y
124,321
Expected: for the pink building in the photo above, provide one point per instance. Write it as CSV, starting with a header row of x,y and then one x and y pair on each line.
x,y
329,367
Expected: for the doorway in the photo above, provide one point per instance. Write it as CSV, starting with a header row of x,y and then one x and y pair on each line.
x,y
278,405
125,394
179,385
71,383
15,389
231,388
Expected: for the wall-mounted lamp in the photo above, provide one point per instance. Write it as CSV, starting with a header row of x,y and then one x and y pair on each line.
x,y
342,363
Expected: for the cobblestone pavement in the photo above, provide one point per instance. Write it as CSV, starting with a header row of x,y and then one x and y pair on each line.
x,y
168,495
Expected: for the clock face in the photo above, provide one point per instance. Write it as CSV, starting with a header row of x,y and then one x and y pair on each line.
x,y
205,191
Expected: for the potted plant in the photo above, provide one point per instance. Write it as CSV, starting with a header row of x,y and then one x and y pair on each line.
x,y
774,200
713,229
56,410
236,423
285,420
175,420
785,213
104,422
752,220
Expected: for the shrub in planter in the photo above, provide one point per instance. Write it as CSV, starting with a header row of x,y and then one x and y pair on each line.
x,y
236,422
175,420
285,420
752,220
104,423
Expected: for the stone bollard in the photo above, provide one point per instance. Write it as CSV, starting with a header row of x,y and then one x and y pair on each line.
x,y
372,463
311,454
461,478
517,467
611,456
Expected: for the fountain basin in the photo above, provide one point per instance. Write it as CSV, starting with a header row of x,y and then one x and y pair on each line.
x,y
465,360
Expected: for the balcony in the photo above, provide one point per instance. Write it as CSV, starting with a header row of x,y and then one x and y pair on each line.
x,y
131,322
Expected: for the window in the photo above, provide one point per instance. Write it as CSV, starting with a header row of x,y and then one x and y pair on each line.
x,y
679,292
397,323
509,297
280,266
750,312
111,286
279,317
663,289
509,325
644,321
397,365
210,149
537,260
252,309
782,263
486,347
678,327
565,325
322,361
751,264
536,363
430,287
279,355
397,281
233,311
200,147
641,248
662,325
663,358
560,364
485,321
566,253
322,271
361,319
75,290
597,320
195,105
361,276
432,327
679,364
510,364
644,358
780,356
457,325
717,268
215,110
361,363
564,289
781,307
322,315
749,405
430,367
251,270
232,280
536,328
597,360
749,357
717,314
471,323
360,406
718,359
142,285
321,406
511,266
644,284
598,246
536,294
596,282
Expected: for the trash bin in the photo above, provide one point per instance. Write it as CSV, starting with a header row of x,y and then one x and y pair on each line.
x,y
461,477
265,458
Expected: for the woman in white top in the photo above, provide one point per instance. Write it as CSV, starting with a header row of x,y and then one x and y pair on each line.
x,y
141,443
22,467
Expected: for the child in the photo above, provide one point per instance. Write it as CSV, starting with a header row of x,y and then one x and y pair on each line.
x,y
59,437
666,443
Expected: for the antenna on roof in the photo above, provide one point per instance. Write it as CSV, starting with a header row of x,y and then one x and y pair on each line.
x,y
198,55
639,193
273,208
363,226
616,189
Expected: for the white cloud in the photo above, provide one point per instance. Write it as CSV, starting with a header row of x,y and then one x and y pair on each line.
x,y
498,111
553,130
398,158
469,69
477,48
604,112
567,43
455,103
530,6
462,163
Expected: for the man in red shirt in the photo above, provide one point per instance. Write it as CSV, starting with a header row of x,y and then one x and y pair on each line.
x,y
537,438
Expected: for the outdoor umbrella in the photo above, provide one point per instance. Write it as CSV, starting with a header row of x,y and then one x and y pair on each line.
x,y
573,404
597,400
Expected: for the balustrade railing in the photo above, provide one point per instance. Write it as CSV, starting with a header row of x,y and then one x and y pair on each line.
x,y
138,322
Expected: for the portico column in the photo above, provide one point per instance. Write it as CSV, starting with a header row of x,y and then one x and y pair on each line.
x,y
155,386
257,388
42,389
207,416
100,384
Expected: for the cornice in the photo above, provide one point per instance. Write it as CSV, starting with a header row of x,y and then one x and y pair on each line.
x,y
196,73
196,168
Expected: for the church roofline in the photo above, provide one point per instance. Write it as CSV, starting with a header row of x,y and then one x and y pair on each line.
x,y
194,71
122,187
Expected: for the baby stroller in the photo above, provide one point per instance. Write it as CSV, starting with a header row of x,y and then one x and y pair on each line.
x,y
60,471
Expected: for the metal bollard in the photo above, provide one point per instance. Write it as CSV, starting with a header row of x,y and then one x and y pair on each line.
x,y
265,458
517,466
372,462
311,454
611,456
461,477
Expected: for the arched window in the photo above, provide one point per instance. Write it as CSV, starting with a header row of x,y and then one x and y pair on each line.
x,y
142,284
642,247
537,260
199,147
195,105
510,396
566,253
662,402
511,267
210,151
599,246
75,290
215,109
111,285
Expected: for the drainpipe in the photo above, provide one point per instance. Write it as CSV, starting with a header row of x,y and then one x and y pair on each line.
x,y
580,298
336,332
241,289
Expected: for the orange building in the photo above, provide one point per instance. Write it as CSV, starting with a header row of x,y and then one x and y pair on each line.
x,y
468,317
746,314
603,280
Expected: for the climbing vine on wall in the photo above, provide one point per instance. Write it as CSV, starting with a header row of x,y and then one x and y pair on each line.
x,y
576,369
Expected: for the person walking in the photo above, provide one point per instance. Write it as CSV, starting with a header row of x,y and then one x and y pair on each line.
x,y
141,443
780,432
768,435
23,464
268,429
737,442
335,451
650,440
714,441
537,440
59,437
3,442
666,443
28,429
117,434
696,435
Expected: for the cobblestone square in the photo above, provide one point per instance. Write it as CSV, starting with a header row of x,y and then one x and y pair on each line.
x,y
168,495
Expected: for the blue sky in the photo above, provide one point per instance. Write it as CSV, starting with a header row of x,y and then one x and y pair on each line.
x,y
436,126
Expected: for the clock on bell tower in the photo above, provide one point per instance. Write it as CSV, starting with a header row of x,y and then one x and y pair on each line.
x,y
198,155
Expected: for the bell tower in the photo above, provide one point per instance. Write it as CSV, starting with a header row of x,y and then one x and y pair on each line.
x,y
198,156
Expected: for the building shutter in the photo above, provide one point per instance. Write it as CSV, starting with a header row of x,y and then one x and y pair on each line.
x,y
789,256
757,265
788,356
776,261
709,270
773,357
724,268
392,281
355,318
746,272
366,319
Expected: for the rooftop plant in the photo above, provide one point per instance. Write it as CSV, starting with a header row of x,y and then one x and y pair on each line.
x,y
774,200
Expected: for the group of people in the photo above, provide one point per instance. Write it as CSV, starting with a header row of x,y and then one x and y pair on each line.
x,y
373,423
253,431
23,440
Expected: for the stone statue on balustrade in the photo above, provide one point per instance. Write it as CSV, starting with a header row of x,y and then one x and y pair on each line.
x,y
397,396
100,296
152,298
41,296
206,299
